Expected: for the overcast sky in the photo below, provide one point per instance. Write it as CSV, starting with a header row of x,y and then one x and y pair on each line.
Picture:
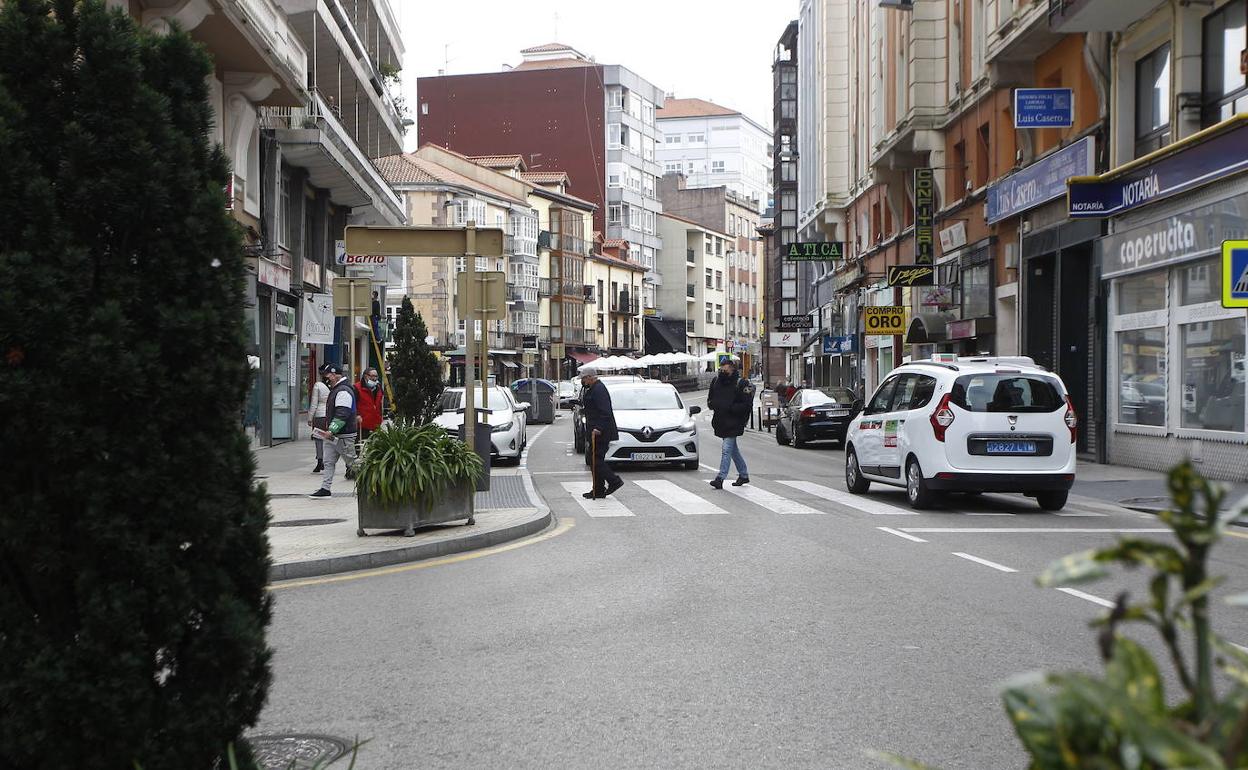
x,y
711,49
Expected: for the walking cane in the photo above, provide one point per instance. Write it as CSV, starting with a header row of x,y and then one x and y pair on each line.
x,y
593,466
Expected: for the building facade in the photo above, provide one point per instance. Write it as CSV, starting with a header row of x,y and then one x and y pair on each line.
x,y
301,109
700,255
560,110
714,146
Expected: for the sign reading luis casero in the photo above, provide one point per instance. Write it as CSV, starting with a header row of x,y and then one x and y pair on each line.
x,y
1214,154
1041,182
884,319
815,251
1044,107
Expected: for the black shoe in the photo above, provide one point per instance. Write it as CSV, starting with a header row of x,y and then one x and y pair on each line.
x,y
613,487
717,483
320,466
322,492
741,481
592,496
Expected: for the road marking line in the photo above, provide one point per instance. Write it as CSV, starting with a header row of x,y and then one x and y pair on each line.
x,y
563,526
989,514
899,533
1088,514
864,504
984,562
1027,530
528,442
601,508
771,501
1087,597
709,468
1238,534
559,473
681,499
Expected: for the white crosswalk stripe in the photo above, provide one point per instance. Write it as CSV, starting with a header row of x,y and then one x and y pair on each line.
x,y
770,500
864,504
680,499
603,508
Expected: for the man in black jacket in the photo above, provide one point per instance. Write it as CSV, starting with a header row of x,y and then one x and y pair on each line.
x,y
341,414
600,431
731,399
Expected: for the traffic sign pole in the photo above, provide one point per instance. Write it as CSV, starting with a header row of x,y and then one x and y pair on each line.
x,y
470,341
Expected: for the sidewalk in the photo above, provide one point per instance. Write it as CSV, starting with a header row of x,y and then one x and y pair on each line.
x,y
310,537
1138,488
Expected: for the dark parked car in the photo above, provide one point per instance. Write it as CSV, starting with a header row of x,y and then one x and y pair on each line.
x,y
820,414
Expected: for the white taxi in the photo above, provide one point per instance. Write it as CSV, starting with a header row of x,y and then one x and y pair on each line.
x,y
982,424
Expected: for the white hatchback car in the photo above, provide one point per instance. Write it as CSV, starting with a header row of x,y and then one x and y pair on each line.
x,y
508,419
654,423
966,425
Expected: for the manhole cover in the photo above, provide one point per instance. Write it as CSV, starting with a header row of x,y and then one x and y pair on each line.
x,y
296,751
304,522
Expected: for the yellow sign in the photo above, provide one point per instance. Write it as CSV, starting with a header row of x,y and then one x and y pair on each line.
x,y
884,319
1234,273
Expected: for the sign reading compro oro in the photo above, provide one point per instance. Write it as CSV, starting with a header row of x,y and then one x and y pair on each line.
x,y
884,319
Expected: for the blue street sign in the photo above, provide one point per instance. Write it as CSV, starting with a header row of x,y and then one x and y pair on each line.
x,y
833,345
1235,274
1041,182
1044,107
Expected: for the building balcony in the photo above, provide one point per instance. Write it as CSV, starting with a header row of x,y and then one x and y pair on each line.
x,y
545,287
521,247
690,291
625,305
590,294
313,139
1066,16
1012,48
570,244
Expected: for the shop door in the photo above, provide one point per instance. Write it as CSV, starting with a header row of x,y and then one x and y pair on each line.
x,y
1040,326
1074,337
285,373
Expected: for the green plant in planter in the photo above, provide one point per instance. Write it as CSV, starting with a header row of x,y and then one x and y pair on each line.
x,y
405,464
1123,720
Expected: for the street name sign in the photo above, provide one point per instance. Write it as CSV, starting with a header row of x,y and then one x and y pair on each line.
x,y
815,251
1044,107
911,275
1235,274
884,319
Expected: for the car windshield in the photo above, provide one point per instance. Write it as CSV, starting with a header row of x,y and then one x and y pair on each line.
x,y
453,400
839,395
632,398
1006,393
816,397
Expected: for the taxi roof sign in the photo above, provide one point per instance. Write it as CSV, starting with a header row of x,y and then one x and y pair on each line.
x,y
1234,273
945,358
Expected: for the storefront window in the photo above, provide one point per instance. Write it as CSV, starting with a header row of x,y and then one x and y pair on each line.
x,y
1142,376
1200,282
1213,375
976,292
1141,293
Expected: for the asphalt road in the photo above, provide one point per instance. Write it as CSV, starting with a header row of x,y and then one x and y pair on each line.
x,y
678,626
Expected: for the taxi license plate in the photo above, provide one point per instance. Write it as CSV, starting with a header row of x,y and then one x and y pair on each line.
x,y
1011,447
648,456
839,413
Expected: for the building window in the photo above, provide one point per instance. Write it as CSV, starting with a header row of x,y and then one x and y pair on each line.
x,y
613,135
615,174
710,278
717,167
1225,85
983,156
1141,293
615,98
719,280
719,314
283,223
613,214
1200,283
647,112
977,291
634,218
696,138
648,185
1152,101
647,148
1142,376
709,312
649,222
671,138
634,180
1212,373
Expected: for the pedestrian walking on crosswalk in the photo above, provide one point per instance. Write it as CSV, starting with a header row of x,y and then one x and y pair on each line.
x,y
600,428
731,398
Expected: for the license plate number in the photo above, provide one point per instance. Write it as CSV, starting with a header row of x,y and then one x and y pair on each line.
x,y
839,413
1011,447
648,456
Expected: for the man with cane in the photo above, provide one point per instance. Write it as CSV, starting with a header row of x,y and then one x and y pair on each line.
x,y
600,428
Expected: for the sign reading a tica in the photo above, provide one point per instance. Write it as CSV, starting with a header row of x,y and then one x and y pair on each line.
x,y
884,319
911,275
815,251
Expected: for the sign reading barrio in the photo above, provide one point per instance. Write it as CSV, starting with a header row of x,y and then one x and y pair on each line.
x,y
884,319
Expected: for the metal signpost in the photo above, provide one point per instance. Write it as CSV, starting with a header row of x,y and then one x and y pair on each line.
x,y
352,297
467,242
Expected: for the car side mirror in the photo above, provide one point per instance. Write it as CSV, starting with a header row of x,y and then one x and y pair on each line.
x,y
523,406
695,410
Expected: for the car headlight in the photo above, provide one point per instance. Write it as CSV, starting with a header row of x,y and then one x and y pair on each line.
x,y
504,427
688,426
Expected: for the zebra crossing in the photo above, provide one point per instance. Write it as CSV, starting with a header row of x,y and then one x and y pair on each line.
x,y
649,497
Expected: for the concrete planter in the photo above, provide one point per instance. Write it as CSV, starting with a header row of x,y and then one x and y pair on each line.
x,y
454,504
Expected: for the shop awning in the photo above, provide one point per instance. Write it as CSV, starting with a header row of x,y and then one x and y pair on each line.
x,y
927,328
508,364
582,358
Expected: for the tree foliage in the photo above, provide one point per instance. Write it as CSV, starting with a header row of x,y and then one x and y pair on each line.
x,y
133,556
415,373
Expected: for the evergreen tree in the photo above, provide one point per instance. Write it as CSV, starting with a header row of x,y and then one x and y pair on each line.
x,y
415,373
133,556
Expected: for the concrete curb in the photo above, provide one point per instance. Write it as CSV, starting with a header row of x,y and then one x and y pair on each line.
x,y
541,519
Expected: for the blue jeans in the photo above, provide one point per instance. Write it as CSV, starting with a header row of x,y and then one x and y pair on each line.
x,y
731,453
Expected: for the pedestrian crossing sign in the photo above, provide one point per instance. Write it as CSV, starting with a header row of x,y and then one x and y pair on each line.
x,y
1235,274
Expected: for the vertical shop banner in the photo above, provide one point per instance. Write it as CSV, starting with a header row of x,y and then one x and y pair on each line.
x,y
318,319
924,216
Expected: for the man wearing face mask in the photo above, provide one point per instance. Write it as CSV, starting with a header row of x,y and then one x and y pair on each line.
x,y
343,426
368,391
731,399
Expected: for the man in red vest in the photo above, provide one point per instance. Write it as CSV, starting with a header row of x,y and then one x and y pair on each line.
x,y
369,402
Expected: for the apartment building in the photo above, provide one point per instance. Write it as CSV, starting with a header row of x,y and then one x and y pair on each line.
x,y
723,210
300,108
715,146
700,254
563,111
613,283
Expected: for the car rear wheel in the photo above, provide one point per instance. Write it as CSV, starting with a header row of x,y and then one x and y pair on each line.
x,y
1052,501
917,492
578,443
782,437
798,441
854,481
